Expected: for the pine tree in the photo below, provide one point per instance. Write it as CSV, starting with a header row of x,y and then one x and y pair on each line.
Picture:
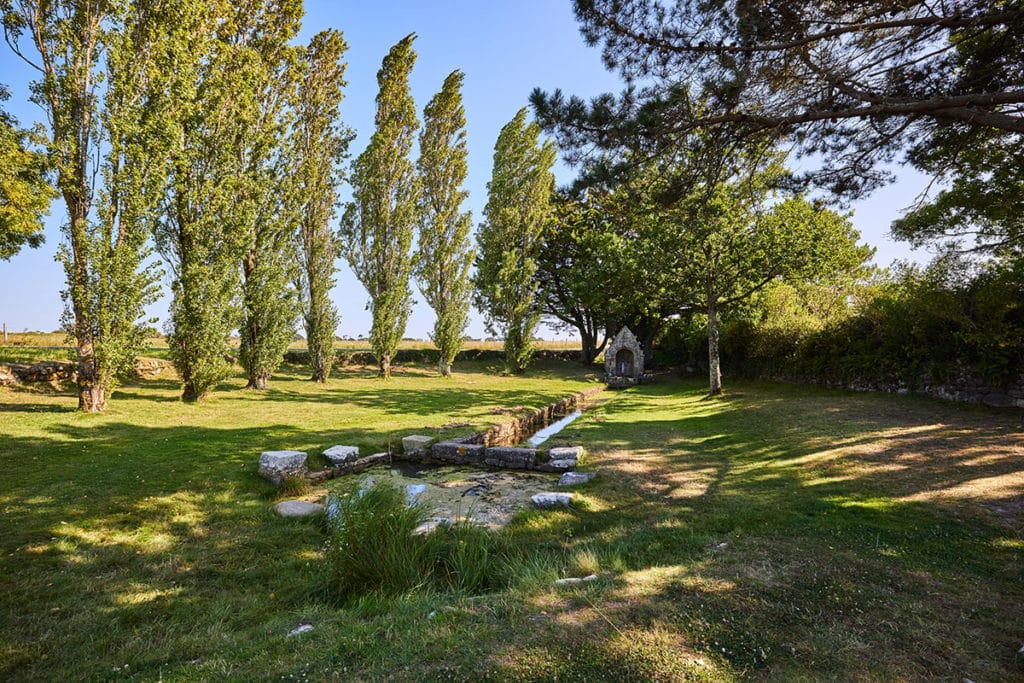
x,y
445,253
377,228
320,145
518,207
80,46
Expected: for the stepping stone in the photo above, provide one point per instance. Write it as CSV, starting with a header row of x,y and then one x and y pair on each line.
x,y
575,478
551,499
339,455
415,444
562,465
298,508
277,465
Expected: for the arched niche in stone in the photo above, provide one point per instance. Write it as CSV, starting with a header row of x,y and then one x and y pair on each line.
x,y
624,358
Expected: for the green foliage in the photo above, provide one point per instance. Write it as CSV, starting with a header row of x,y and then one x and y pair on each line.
x,y
269,192
908,328
377,227
518,208
25,190
445,252
372,548
116,135
320,145
582,271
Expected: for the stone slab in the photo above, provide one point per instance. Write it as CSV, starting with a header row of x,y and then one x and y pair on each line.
x,y
511,458
298,508
551,499
575,478
566,453
276,465
339,455
415,443
459,453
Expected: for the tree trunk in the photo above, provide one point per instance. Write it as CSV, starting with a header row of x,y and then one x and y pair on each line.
x,y
258,382
714,363
385,366
444,367
319,368
189,393
588,350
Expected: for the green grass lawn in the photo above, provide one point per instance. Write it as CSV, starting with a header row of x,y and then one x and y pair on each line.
x,y
777,533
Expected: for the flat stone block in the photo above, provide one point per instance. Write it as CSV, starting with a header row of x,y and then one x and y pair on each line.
x,y
298,508
460,453
339,455
575,478
276,465
551,499
511,458
566,453
415,443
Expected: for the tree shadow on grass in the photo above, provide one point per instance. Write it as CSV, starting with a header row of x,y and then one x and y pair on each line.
x,y
787,535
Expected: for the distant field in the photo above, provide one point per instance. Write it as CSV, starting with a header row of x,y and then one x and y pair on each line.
x,y
31,347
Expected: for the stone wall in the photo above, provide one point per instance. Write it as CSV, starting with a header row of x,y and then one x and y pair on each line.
x,y
526,425
962,387
58,372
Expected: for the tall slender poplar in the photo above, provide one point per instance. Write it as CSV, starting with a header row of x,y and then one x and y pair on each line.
x,y
320,145
518,208
200,233
378,225
269,198
95,63
445,252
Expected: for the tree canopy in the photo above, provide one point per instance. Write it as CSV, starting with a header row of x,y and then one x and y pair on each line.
x,y
851,83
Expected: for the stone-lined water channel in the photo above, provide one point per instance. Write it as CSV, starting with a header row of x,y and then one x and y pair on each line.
x,y
459,480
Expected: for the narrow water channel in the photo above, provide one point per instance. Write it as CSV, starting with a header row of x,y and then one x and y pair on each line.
x,y
552,429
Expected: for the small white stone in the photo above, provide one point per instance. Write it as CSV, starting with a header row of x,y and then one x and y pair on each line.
x,y
301,628
574,580
575,478
298,508
432,525
562,465
339,455
566,453
550,499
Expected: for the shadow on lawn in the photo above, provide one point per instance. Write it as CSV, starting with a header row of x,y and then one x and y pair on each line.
x,y
796,537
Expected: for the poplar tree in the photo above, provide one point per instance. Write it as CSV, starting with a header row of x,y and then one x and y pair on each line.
x,y
377,227
269,193
88,100
518,208
445,252
201,234
320,143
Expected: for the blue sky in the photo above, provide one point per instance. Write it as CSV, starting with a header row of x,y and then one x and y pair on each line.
x,y
505,48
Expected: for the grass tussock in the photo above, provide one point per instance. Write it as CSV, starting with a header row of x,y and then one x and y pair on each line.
x,y
374,547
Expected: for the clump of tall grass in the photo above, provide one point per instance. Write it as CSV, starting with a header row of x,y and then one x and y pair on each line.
x,y
373,548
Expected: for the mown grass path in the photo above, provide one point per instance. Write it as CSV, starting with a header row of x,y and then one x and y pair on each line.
x,y
777,533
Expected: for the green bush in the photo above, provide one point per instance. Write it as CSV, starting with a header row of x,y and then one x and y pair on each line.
x,y
915,326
